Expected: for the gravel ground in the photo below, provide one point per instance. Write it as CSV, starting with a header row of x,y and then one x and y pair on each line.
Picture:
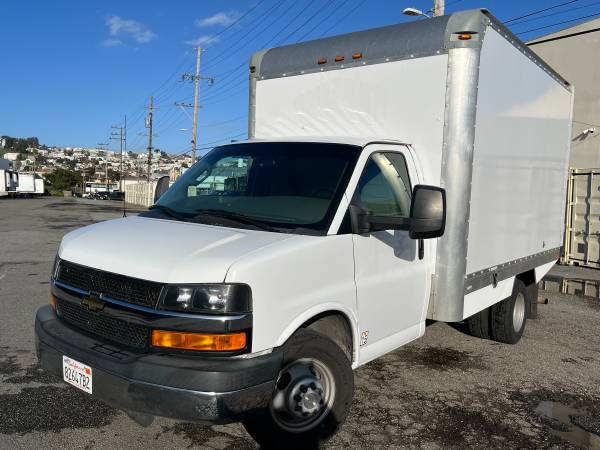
x,y
448,390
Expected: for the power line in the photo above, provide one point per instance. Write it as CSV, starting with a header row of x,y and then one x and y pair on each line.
x,y
225,53
533,13
555,14
328,16
212,144
559,23
331,28
306,22
234,23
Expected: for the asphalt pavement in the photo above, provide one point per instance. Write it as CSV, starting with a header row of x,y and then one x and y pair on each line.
x,y
448,390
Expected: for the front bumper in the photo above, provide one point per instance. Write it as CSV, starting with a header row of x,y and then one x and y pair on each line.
x,y
190,388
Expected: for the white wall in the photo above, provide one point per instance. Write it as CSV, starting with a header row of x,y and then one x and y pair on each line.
x,y
520,158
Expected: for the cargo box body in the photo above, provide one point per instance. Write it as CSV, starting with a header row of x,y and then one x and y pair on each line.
x,y
488,120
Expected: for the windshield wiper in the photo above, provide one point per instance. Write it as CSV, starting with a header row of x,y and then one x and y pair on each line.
x,y
168,211
234,217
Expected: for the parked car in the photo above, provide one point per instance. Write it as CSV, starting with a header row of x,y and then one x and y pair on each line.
x,y
395,175
100,195
116,195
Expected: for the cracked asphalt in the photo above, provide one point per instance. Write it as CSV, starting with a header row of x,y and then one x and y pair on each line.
x,y
448,390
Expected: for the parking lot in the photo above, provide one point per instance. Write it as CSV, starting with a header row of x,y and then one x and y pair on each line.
x,y
448,390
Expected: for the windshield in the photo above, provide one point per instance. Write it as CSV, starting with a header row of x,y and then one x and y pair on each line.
x,y
276,186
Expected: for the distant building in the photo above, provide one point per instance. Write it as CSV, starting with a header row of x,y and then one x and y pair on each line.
x,y
11,156
573,53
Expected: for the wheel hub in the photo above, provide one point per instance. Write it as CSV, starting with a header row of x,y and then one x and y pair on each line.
x,y
519,312
304,391
306,397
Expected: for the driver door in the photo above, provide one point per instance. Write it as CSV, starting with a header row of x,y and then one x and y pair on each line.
x,y
391,279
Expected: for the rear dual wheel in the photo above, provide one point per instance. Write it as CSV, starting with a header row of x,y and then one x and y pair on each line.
x,y
311,398
505,321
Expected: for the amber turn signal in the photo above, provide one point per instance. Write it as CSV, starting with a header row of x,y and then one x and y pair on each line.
x,y
199,341
53,301
465,36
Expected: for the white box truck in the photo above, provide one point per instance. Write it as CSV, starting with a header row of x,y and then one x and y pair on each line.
x,y
9,180
30,184
393,175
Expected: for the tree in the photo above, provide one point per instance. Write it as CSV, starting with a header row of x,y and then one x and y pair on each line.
x,y
64,179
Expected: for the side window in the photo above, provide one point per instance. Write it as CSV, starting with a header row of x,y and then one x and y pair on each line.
x,y
384,186
229,176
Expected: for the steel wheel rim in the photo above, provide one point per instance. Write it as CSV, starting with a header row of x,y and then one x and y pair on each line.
x,y
303,395
519,312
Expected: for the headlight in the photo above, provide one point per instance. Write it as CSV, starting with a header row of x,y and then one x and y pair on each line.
x,y
54,273
208,298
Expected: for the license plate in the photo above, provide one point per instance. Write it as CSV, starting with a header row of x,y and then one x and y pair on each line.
x,y
77,374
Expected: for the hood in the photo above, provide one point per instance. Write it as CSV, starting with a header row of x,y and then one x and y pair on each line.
x,y
161,250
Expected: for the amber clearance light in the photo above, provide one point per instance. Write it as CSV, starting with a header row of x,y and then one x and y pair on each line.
x,y
199,341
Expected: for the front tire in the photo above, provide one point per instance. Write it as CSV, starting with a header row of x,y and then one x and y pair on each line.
x,y
311,398
508,318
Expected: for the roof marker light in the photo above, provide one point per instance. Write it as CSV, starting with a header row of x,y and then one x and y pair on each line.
x,y
339,58
464,36
322,61
357,55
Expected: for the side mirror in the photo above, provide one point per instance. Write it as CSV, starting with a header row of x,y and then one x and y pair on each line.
x,y
427,212
162,185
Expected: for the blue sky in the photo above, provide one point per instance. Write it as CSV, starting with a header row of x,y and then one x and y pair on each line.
x,y
70,69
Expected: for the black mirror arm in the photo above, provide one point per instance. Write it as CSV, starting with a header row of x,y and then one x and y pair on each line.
x,y
390,223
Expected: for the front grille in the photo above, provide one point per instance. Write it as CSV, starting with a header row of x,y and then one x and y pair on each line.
x,y
97,323
120,287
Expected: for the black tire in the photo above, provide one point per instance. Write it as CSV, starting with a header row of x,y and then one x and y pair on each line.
x,y
532,298
271,431
509,317
478,325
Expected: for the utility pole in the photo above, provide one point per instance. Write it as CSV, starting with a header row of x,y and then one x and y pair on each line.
x,y
120,136
196,105
196,78
104,146
438,7
149,119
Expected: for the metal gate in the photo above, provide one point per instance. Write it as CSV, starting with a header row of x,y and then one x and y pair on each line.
x,y
582,226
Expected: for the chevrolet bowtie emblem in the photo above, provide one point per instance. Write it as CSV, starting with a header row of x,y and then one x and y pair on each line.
x,y
92,302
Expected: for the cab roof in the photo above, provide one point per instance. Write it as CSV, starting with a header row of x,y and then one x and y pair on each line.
x,y
347,140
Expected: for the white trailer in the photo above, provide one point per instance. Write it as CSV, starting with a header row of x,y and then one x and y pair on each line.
x,y
30,184
392,175
9,180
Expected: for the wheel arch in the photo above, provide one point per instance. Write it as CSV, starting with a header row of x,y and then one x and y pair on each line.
x,y
528,278
332,320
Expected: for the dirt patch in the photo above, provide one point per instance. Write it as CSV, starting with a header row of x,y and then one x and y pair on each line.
x,y
200,435
8,365
50,408
33,374
439,358
66,226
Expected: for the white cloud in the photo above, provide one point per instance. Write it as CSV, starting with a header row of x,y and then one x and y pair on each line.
x,y
203,40
111,42
223,18
119,27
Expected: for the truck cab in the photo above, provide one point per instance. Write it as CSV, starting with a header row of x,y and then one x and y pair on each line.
x,y
192,303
